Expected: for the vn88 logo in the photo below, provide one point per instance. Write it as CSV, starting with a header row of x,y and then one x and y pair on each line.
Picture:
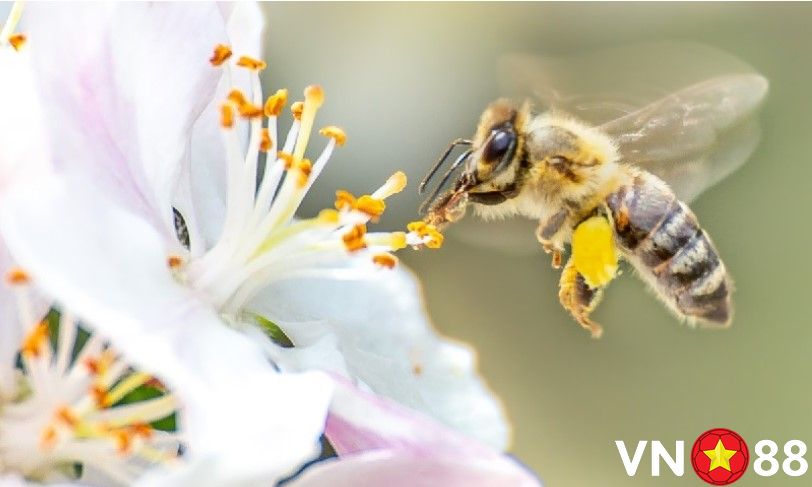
x,y
720,457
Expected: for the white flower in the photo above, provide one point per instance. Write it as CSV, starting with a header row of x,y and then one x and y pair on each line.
x,y
141,124
240,416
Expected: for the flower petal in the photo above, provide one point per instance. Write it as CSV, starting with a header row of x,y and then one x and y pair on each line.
x,y
109,266
123,83
395,468
388,344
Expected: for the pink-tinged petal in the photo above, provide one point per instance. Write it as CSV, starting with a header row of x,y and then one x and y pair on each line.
x,y
109,266
206,213
387,344
392,468
123,83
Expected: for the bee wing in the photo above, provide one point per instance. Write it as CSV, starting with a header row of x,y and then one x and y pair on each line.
x,y
695,137
680,110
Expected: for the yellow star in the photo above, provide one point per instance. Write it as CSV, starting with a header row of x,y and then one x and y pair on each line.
x,y
719,457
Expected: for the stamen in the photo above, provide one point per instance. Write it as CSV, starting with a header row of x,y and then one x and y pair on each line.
x,y
335,133
17,41
314,98
251,63
427,233
275,103
249,110
304,168
386,260
35,340
227,116
17,276
265,142
354,239
221,54
286,158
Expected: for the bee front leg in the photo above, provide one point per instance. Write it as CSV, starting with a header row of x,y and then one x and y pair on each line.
x,y
545,233
579,299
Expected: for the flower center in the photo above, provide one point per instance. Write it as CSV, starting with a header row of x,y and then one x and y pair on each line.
x,y
66,403
262,241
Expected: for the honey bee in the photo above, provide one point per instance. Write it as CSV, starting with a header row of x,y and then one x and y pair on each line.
x,y
570,175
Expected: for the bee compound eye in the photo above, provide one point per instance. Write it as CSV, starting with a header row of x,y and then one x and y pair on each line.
x,y
500,142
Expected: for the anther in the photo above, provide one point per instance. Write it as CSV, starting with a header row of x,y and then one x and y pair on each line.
x,y
251,63
275,103
354,239
265,141
220,55
227,116
335,133
328,215
17,276
296,109
386,260
249,110
305,167
237,96
17,41
35,340
174,261
373,207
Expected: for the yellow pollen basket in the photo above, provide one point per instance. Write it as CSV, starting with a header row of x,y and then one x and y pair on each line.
x,y
594,254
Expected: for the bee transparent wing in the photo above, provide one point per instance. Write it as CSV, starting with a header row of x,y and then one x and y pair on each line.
x,y
680,110
695,137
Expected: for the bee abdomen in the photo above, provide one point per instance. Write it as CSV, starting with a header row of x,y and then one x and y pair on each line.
x,y
666,244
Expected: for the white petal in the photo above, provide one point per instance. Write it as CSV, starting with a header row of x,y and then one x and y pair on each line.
x,y
208,158
123,83
395,469
388,344
24,157
109,267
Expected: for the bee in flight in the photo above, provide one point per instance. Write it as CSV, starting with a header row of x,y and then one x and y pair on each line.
x,y
601,189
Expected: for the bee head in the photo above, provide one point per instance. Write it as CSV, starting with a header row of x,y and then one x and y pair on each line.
x,y
497,145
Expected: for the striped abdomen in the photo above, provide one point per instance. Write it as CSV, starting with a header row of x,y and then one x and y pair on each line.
x,y
662,238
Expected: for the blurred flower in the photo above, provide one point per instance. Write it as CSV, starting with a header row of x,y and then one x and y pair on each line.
x,y
241,417
160,223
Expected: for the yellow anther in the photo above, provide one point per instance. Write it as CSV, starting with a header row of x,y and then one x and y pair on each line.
x,y
251,63
328,215
594,254
314,94
296,109
286,158
17,276
36,340
221,54
395,184
17,41
99,365
304,169
373,207
344,200
249,110
227,116
354,239
335,133
417,227
265,141
385,260
432,238
435,240
174,261
275,103
398,240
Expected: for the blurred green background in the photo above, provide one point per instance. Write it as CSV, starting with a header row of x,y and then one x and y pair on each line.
x,y
405,79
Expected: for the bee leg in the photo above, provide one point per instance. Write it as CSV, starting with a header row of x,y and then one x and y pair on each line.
x,y
545,232
579,299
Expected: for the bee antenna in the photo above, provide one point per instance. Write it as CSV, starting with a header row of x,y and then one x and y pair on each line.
x,y
439,163
457,163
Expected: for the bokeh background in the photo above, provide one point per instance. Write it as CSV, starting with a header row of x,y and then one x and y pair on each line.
x,y
405,79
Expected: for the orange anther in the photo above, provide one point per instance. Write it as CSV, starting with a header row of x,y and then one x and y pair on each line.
x,y
35,340
220,55
373,207
174,261
286,158
305,168
275,103
17,41
265,141
385,260
226,116
251,63
296,109
249,110
344,200
335,133
17,276
354,239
